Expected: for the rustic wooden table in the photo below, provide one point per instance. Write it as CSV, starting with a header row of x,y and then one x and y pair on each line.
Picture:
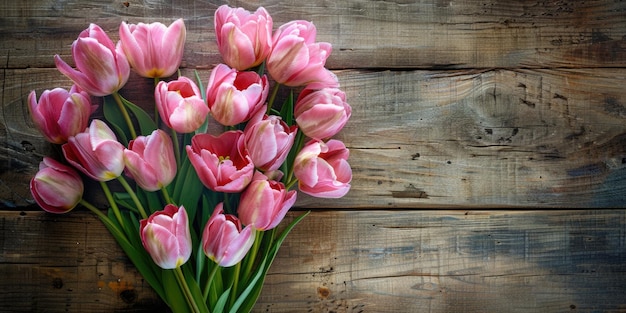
x,y
460,108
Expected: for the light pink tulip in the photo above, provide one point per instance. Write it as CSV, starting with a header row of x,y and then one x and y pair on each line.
x,y
56,188
153,50
321,114
234,96
101,70
96,152
60,114
165,235
244,39
322,169
223,240
222,162
180,104
297,60
268,141
150,160
264,203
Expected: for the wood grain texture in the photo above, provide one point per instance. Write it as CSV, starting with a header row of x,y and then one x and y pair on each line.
x,y
364,261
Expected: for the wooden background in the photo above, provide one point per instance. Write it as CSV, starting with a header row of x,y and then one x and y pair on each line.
x,y
459,108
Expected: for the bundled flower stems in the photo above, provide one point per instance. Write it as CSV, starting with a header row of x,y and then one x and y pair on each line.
x,y
199,210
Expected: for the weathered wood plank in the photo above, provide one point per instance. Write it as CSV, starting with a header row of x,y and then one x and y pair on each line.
x,y
359,261
365,34
528,138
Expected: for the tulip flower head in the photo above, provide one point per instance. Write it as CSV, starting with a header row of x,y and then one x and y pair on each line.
x,y
101,69
321,114
233,96
223,239
150,160
222,162
165,235
264,203
96,152
297,60
56,188
244,39
322,169
60,114
268,141
180,104
153,50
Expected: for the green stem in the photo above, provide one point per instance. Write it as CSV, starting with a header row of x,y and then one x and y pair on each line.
x,y
93,209
125,114
252,256
235,292
207,285
183,284
133,196
166,195
270,103
176,147
116,209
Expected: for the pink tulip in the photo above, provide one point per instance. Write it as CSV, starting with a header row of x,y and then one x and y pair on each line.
x,y
244,39
180,104
56,188
153,50
264,203
321,114
268,141
222,162
297,60
165,235
60,114
223,240
96,152
234,96
150,160
101,70
322,169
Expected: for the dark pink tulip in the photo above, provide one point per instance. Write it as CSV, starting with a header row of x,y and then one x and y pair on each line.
x,y
222,162
244,39
268,141
264,203
96,152
153,50
234,96
180,104
165,235
56,188
150,160
101,70
321,114
223,239
297,60
60,114
322,169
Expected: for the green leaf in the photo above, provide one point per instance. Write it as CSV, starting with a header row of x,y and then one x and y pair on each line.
x,y
286,112
196,293
113,115
173,295
221,302
146,124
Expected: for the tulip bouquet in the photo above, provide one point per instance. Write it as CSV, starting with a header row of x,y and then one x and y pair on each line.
x,y
197,210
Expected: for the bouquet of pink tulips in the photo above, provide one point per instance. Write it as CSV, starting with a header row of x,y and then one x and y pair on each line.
x,y
199,209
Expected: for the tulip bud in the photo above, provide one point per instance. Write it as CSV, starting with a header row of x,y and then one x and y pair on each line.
x,y
264,203
321,114
96,152
180,105
233,96
101,70
165,235
150,160
244,39
56,188
60,114
268,141
153,50
322,169
222,162
223,240
297,60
